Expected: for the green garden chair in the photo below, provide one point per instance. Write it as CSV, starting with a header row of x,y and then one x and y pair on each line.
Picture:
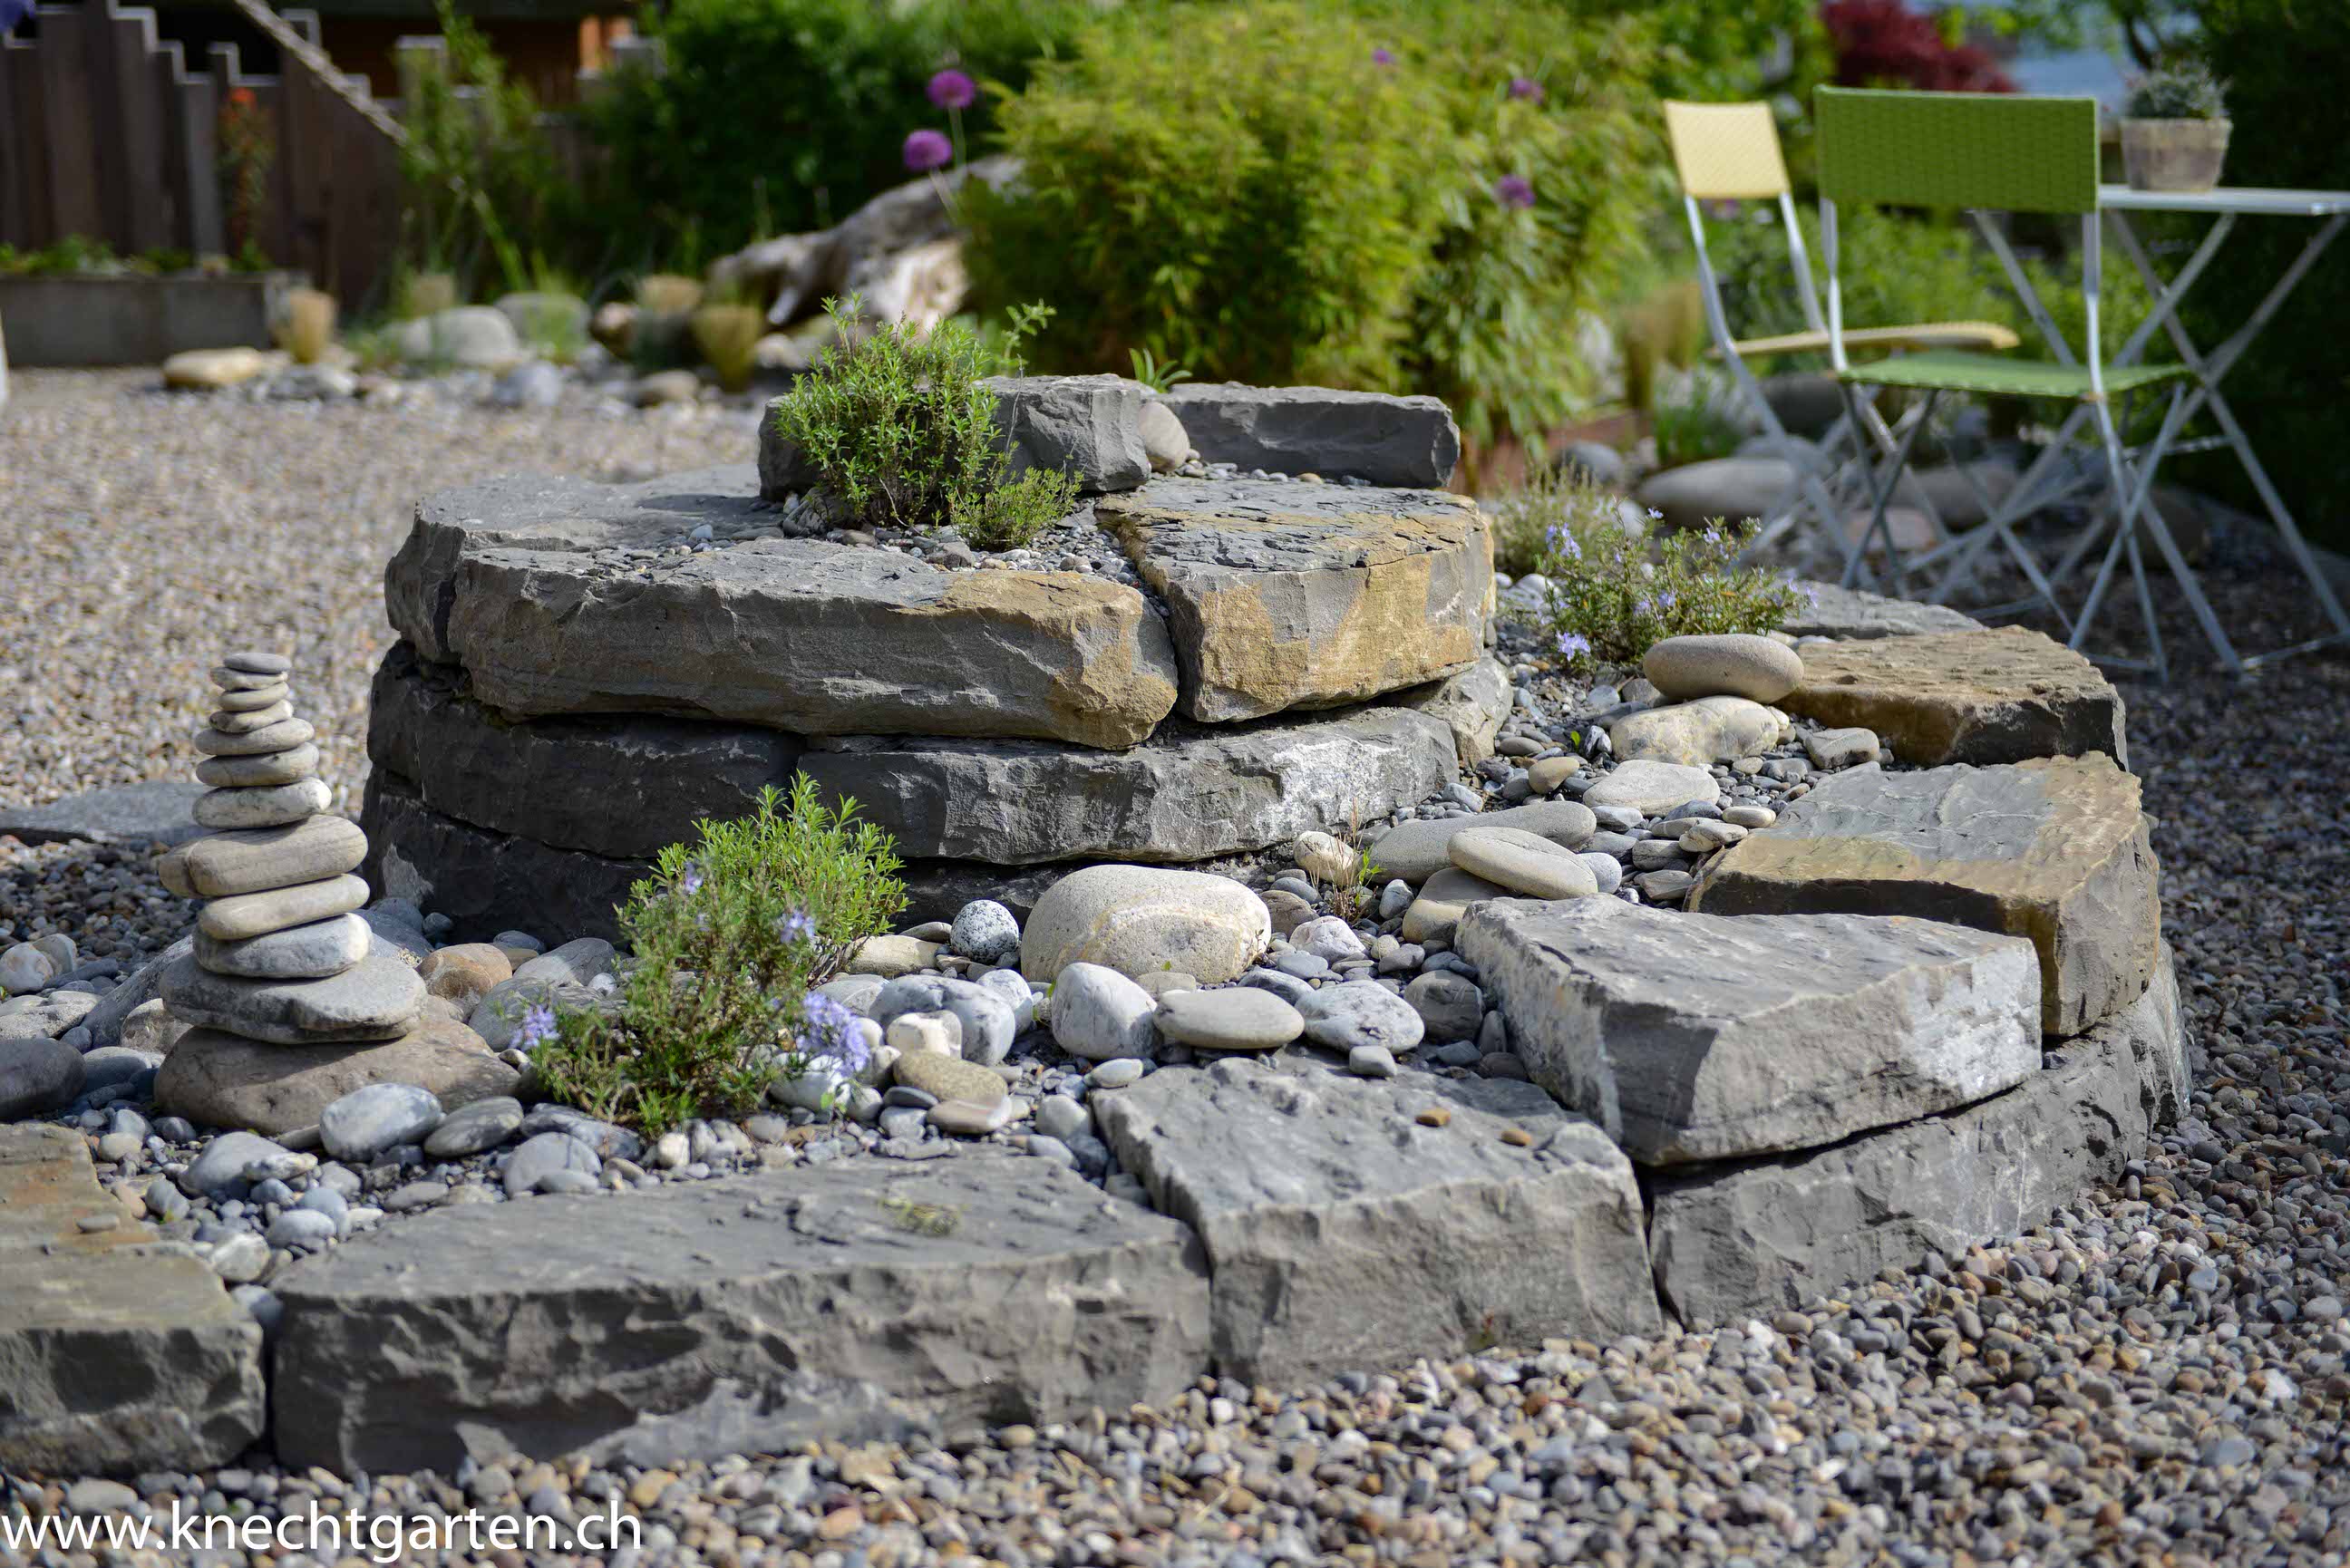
x,y
1730,152
1995,153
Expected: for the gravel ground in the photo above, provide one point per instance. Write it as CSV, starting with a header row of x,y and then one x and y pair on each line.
x,y
2157,1376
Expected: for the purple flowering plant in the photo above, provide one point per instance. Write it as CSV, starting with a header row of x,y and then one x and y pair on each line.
x,y
731,937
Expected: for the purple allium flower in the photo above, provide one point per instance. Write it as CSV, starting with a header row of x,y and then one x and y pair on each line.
x,y
1382,56
538,1028
1572,645
689,881
797,926
828,1029
1514,190
953,89
926,149
1527,88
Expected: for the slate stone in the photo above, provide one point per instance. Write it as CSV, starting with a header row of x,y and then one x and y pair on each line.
x,y
1473,702
255,859
36,1075
1418,850
1830,610
1090,426
223,1080
1292,595
117,1356
1342,1234
315,951
1371,436
1697,1037
1136,919
1189,793
517,580
155,812
758,1313
377,1117
104,1022
2055,850
1751,1238
1987,696
624,787
378,999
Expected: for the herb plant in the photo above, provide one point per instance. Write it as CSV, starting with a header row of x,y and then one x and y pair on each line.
x,y
2185,91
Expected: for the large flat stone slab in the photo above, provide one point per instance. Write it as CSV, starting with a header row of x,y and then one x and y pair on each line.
x,y
847,1301
1745,1240
1696,1037
155,812
560,596
488,882
2002,695
1189,793
376,998
1830,609
626,788
1371,436
1343,1234
1305,596
118,1353
2055,850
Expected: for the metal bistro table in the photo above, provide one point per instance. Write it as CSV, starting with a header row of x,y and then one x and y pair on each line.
x,y
2331,210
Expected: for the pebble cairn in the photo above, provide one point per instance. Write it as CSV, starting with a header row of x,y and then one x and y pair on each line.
x,y
281,955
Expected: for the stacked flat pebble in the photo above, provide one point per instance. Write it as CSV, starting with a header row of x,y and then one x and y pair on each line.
x,y
281,955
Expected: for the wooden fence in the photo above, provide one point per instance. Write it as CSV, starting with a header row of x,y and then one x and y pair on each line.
x,y
106,133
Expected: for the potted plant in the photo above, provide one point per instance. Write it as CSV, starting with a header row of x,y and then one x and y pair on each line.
x,y
2175,131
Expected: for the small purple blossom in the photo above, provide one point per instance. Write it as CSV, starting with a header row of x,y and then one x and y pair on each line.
x,y
953,89
829,1030
538,1028
1572,645
1514,190
797,926
1562,541
689,881
926,149
1527,88
1382,56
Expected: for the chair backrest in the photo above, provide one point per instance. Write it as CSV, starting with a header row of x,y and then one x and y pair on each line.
x,y
1726,152
1994,151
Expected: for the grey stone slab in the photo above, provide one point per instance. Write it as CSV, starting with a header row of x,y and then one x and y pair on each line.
x,y
1308,596
847,1301
1342,1233
1090,426
155,812
105,1021
1371,436
626,788
1418,850
2056,850
2002,695
560,596
118,1353
1697,1037
1853,614
377,999
1473,702
1189,793
1746,1239
488,882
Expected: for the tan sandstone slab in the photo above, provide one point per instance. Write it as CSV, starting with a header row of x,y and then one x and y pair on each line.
x,y
1283,595
254,860
2053,849
118,1353
560,596
2001,695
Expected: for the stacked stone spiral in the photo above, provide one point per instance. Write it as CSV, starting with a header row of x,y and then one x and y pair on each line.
x,y
281,955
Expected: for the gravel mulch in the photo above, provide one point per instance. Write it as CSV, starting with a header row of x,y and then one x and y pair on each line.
x,y
2156,1376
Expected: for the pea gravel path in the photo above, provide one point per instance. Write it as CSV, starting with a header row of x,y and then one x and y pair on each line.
x,y
2156,1377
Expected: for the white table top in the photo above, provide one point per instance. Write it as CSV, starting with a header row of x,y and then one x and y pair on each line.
x,y
2250,200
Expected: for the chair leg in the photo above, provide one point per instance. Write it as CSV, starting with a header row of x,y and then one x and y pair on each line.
x,y
2137,511
1877,521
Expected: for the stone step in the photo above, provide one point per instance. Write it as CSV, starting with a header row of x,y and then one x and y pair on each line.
x,y
2003,695
1373,437
1701,1037
1343,1231
118,1353
2055,849
849,1301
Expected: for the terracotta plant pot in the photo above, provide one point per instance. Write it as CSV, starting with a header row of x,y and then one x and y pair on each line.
x,y
2174,154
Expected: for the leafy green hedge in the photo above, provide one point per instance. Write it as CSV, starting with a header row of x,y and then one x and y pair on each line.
x,y
776,116
1411,197
2282,59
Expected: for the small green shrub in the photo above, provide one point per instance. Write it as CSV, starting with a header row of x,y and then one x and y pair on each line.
x,y
1690,426
730,934
898,426
1612,592
2184,91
